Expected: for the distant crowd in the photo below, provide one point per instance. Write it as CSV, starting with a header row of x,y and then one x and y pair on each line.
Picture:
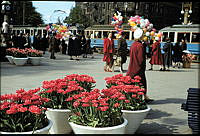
x,y
74,45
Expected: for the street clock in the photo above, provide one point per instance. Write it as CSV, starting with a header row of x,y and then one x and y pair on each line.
x,y
6,7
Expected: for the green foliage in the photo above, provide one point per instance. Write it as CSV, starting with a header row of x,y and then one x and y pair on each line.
x,y
31,16
77,16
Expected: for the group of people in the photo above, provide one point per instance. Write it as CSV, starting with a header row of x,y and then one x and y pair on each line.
x,y
138,55
137,64
74,46
23,41
171,56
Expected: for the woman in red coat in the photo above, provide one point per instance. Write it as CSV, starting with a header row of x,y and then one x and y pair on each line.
x,y
108,50
137,64
156,57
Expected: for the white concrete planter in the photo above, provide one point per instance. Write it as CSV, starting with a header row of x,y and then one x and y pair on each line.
x,y
59,117
35,60
134,119
20,61
79,129
44,130
10,59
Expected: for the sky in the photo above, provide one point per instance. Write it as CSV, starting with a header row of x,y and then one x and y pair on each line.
x,y
47,8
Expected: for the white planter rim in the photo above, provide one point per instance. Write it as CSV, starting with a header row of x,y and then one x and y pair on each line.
x,y
8,56
30,132
59,110
34,57
103,128
137,111
19,58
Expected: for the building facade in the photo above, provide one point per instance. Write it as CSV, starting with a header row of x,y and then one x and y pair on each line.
x,y
161,14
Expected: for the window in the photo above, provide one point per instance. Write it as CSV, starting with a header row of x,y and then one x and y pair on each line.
x,y
171,36
126,35
165,35
99,34
105,34
195,37
185,36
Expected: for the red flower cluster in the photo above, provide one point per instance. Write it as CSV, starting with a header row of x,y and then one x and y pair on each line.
x,y
22,101
122,80
23,111
33,52
22,53
64,89
130,88
80,78
97,105
10,51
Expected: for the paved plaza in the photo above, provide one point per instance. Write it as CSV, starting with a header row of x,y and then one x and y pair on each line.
x,y
168,89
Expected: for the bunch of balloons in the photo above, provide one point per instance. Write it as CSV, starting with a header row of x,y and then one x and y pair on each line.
x,y
61,31
117,22
138,22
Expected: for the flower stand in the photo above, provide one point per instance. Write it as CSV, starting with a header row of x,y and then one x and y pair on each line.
x,y
20,61
59,117
10,59
134,119
44,130
79,129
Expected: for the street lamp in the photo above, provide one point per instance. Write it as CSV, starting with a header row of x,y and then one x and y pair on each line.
x,y
5,9
186,10
126,5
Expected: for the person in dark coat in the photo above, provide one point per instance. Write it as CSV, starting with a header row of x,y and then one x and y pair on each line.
x,y
77,46
14,40
84,46
21,40
167,48
52,46
108,50
71,49
183,45
177,56
156,57
122,49
137,64
36,42
64,46
44,43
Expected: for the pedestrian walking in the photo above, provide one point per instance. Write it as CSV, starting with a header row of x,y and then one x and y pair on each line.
x,y
122,50
167,48
177,56
14,40
108,50
84,46
71,49
52,46
44,43
77,46
156,56
64,46
137,64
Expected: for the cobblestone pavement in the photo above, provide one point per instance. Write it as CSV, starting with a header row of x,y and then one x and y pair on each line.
x,y
168,89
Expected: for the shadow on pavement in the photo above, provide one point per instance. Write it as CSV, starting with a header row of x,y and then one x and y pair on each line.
x,y
169,100
156,114
156,128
